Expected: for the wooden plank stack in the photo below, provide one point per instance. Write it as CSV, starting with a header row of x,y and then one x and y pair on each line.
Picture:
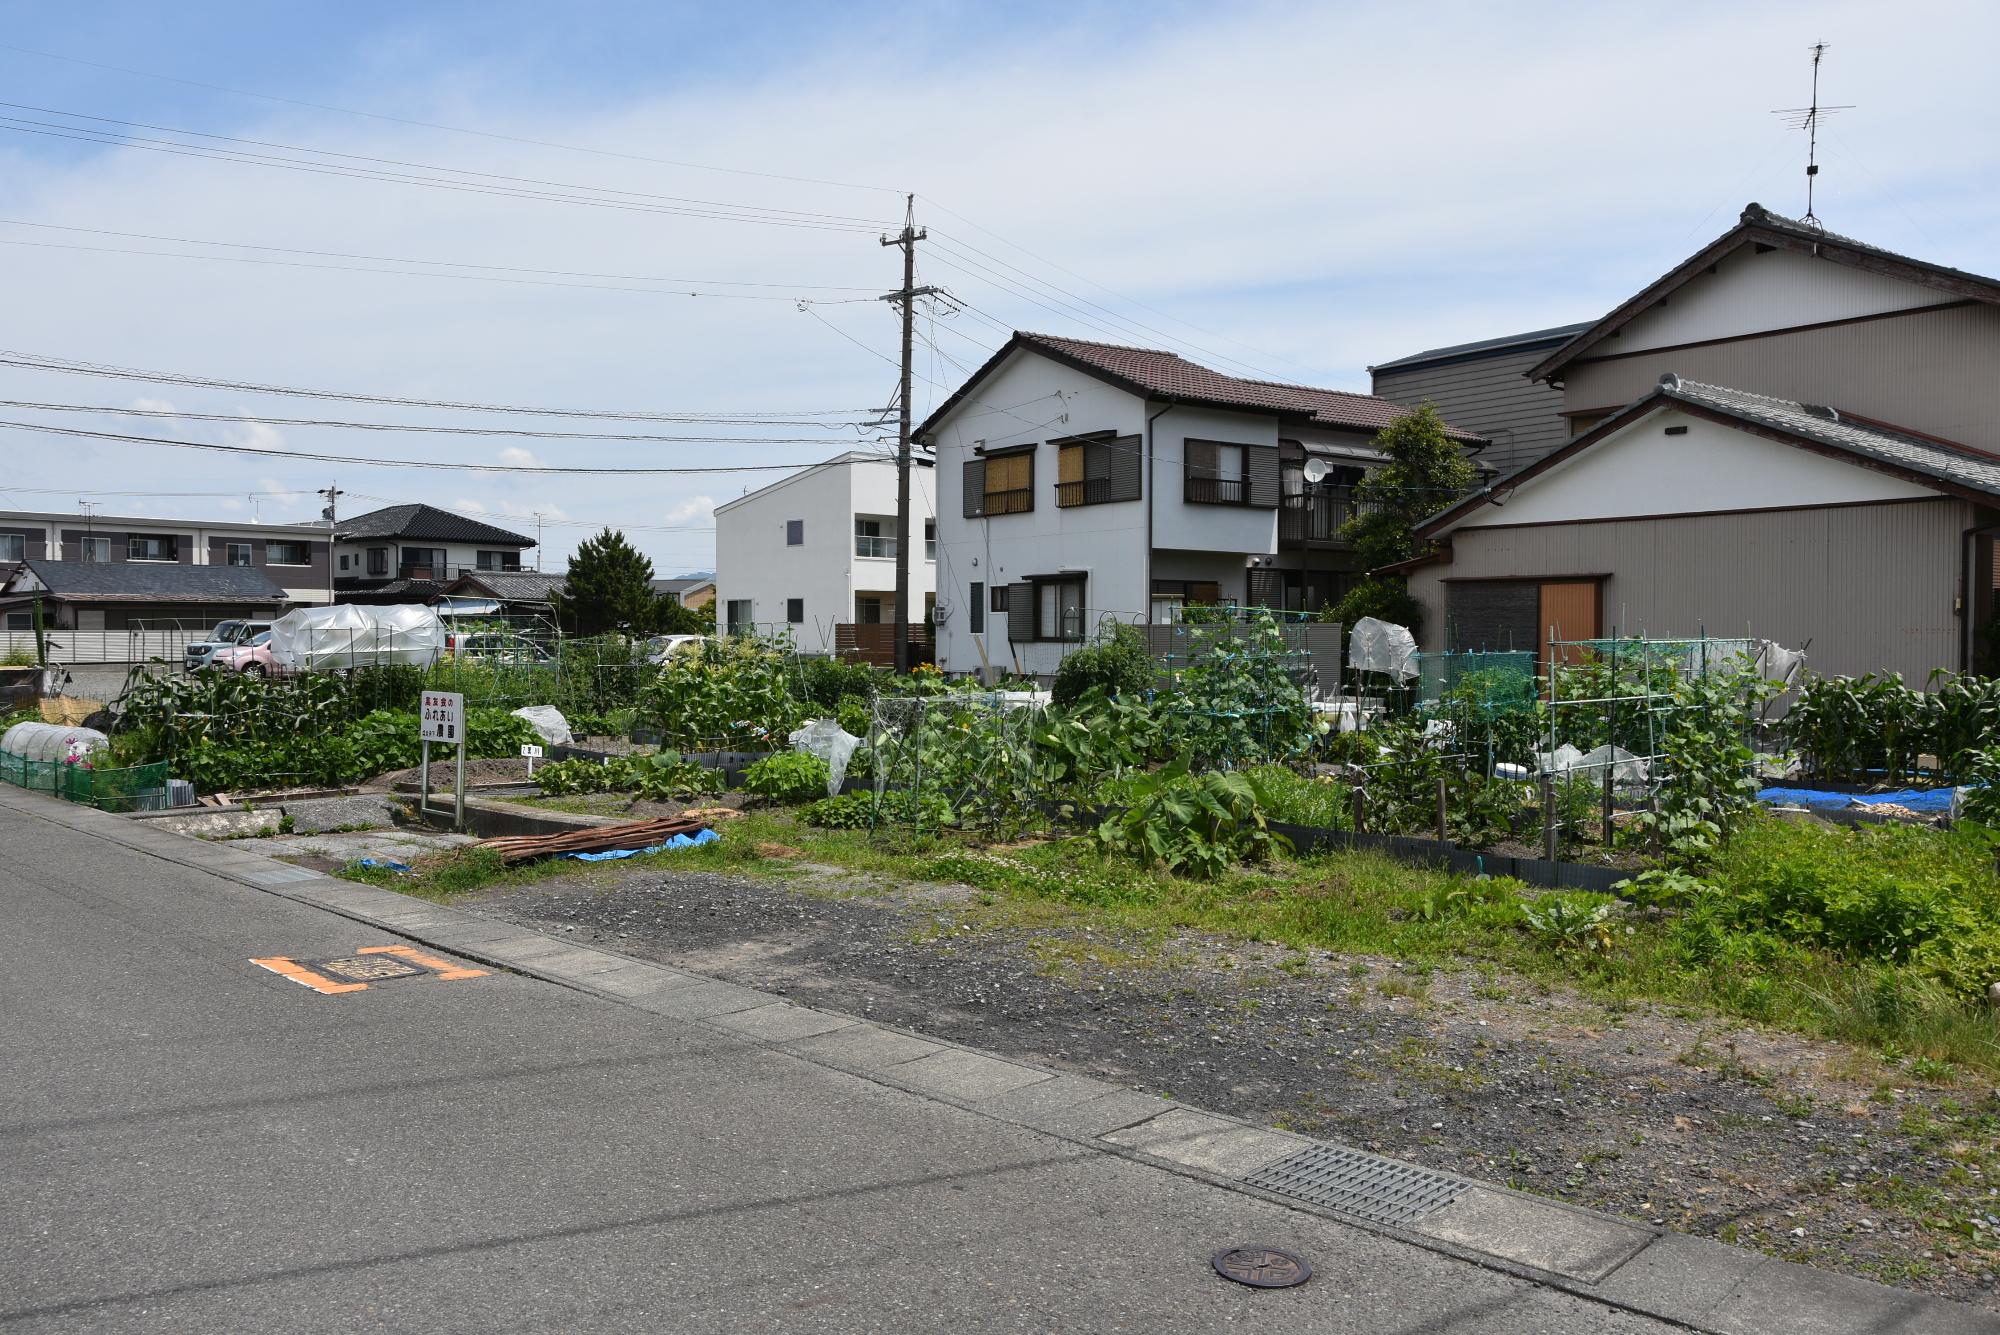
x,y
597,839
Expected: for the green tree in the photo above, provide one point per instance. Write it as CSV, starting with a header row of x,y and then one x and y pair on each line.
x,y
1426,472
671,617
609,587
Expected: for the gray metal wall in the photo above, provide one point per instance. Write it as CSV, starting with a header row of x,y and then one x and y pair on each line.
x,y
1872,586
1491,396
1931,371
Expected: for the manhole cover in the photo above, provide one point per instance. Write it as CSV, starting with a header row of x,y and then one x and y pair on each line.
x,y
365,968
1263,1267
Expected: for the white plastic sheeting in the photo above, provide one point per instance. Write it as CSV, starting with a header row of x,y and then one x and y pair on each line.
x,y
51,742
825,738
1566,762
1779,664
548,721
320,639
1381,646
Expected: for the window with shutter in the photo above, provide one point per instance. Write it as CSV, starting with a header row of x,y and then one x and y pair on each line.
x,y
1097,470
1010,483
1021,613
975,609
1215,473
1261,469
973,488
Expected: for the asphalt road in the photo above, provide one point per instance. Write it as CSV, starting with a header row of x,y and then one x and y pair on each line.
x,y
192,1142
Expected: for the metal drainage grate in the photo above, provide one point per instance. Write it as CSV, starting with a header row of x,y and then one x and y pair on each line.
x,y
1358,1184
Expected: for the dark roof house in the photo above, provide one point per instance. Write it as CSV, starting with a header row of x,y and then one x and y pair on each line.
x,y
427,523
522,590
111,596
1483,387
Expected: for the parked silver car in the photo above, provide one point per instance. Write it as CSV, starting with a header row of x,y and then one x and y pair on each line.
x,y
225,635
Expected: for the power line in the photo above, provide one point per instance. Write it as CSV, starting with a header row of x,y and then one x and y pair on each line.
x,y
396,273
1187,324
400,273
365,461
38,362
676,200
84,135
450,264
509,432
450,129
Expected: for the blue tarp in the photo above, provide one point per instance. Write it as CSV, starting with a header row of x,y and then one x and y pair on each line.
x,y
678,841
389,863
1924,800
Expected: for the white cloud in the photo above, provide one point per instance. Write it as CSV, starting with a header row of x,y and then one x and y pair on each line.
x,y
516,457
146,405
695,507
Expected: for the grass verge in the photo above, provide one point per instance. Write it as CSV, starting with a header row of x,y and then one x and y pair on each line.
x,y
1353,903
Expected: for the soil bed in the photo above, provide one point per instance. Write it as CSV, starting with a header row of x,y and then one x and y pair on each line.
x,y
1804,1149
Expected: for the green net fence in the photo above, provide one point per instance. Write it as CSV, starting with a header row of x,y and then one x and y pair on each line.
x,y
1489,683
133,788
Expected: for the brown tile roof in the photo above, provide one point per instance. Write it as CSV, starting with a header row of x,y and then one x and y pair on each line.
x,y
1154,373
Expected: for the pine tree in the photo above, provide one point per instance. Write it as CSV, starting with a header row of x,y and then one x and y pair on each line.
x,y
1426,472
609,588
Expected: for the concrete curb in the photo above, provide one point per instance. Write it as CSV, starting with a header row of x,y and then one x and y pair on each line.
x,y
1689,1281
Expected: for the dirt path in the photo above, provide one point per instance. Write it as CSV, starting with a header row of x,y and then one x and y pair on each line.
x,y
1762,1139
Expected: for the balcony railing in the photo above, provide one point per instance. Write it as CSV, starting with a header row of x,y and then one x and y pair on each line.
x,y
440,573
1203,490
1014,501
1089,491
1317,516
870,545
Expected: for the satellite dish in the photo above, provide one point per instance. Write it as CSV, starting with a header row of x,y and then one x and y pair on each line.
x,y
1316,470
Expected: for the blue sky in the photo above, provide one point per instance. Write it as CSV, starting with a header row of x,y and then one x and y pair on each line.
x,y
1294,190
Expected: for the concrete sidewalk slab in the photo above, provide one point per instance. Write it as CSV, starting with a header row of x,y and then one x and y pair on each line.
x,y
1213,1144
959,1074
864,1047
779,1021
702,1002
1542,1234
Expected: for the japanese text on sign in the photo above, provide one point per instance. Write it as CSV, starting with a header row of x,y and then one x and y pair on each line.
x,y
441,718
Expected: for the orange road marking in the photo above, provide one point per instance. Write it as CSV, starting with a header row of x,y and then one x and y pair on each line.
x,y
443,968
305,977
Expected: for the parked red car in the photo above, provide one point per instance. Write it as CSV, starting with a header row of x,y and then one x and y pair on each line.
x,y
252,656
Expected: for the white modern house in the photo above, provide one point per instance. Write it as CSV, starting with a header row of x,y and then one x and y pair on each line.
x,y
1080,482
817,549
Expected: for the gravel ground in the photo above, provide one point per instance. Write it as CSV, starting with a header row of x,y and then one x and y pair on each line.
x,y
1763,1139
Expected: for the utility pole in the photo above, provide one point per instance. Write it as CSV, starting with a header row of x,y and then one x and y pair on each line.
x,y
538,542
906,300
332,493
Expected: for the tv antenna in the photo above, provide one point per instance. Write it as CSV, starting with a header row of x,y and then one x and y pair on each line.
x,y
1808,119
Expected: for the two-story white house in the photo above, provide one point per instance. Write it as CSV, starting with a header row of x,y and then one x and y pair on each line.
x,y
1080,482
817,550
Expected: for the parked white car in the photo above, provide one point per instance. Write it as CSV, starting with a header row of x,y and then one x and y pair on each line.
x,y
662,647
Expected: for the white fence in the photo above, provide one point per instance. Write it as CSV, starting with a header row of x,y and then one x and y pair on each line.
x,y
101,646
